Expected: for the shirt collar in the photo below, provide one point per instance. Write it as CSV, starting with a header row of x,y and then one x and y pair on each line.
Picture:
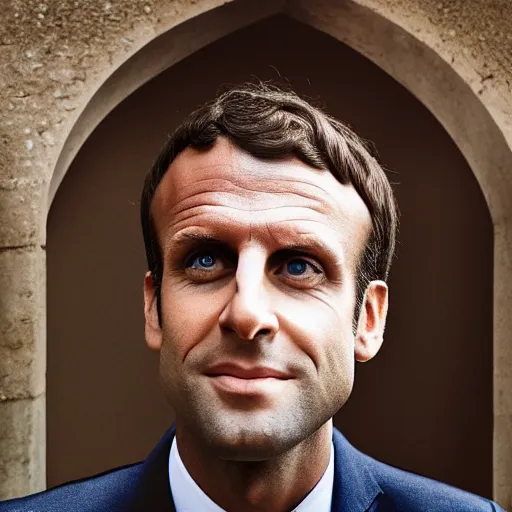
x,y
189,497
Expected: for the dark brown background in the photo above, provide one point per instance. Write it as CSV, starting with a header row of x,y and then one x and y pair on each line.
x,y
425,402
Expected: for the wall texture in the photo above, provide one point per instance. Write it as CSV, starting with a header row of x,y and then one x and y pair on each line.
x,y
65,65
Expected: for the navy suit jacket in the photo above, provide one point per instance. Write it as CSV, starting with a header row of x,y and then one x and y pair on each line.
x,y
361,484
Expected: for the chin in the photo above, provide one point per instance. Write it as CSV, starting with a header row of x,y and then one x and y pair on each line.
x,y
253,439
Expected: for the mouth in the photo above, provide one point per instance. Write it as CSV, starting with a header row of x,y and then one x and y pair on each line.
x,y
239,380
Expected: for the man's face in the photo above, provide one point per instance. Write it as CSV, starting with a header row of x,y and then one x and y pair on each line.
x,y
256,341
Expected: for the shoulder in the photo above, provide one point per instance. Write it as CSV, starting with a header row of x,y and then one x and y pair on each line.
x,y
385,488
99,493
410,492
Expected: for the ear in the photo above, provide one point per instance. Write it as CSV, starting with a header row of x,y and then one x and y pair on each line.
x,y
372,320
153,330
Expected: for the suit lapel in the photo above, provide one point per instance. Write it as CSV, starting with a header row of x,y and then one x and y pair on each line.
x,y
151,491
355,489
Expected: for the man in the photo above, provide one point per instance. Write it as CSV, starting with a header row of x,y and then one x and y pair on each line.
x,y
269,233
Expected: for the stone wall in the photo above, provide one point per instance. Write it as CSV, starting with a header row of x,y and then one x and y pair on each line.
x,y
66,64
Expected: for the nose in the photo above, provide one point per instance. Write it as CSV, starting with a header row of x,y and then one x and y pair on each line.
x,y
249,312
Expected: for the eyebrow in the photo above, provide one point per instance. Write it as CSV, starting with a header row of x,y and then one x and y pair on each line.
x,y
315,245
190,235
184,240
186,237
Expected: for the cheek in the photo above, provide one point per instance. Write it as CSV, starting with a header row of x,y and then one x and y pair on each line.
x,y
321,324
188,316
324,336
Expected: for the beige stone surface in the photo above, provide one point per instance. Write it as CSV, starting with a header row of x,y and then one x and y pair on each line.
x,y
503,432
65,64
22,326
502,322
474,37
502,450
22,445
22,204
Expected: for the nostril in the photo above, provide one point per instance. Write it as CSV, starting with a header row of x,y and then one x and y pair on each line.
x,y
263,332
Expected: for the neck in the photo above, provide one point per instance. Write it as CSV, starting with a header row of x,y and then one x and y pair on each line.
x,y
277,484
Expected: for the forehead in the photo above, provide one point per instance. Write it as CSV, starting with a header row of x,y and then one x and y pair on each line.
x,y
224,185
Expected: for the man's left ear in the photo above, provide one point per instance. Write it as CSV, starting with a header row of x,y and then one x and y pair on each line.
x,y
372,320
152,329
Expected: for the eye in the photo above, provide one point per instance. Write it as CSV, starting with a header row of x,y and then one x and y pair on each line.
x,y
301,267
301,271
297,267
203,261
207,265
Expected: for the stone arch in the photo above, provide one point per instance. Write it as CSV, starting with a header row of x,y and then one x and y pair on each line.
x,y
472,104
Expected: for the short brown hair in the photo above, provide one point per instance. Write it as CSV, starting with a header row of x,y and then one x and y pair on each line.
x,y
271,123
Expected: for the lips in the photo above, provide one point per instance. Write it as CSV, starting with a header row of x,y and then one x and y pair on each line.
x,y
241,372
258,382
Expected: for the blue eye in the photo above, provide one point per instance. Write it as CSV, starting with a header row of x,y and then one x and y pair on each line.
x,y
296,267
203,261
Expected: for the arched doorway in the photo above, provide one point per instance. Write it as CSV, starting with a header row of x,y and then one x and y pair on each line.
x,y
412,405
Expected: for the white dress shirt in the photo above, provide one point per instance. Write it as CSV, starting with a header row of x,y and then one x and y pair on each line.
x,y
189,497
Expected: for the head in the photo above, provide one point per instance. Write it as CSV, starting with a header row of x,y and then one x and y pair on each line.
x,y
269,231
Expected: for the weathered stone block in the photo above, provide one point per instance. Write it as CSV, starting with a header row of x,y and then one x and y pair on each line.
x,y
502,460
21,211
22,445
22,323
